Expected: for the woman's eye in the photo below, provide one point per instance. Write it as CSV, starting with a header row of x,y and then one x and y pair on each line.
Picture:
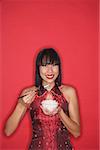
x,y
44,65
55,64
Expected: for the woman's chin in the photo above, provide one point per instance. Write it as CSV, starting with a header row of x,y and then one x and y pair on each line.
x,y
50,81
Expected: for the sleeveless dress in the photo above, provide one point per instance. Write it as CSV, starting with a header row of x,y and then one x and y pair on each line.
x,y
48,132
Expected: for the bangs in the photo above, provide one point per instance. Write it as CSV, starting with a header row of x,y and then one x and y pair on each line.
x,y
49,58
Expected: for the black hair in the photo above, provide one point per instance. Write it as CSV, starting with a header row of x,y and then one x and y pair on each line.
x,y
44,57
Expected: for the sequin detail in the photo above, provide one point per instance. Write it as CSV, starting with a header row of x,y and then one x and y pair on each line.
x,y
49,132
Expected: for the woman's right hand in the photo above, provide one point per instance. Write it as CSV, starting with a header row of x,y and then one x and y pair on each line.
x,y
27,95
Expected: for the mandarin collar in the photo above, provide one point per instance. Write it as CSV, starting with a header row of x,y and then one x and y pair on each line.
x,y
55,90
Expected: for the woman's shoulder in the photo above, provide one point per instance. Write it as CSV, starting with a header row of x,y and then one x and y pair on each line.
x,y
67,88
68,91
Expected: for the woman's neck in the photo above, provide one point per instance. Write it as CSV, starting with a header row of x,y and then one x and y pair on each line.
x,y
48,86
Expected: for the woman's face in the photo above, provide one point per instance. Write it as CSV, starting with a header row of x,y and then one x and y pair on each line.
x,y
49,72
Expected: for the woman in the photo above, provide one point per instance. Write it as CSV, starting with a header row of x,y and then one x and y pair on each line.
x,y
50,128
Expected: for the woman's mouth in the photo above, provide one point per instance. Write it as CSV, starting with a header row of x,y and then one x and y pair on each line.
x,y
50,76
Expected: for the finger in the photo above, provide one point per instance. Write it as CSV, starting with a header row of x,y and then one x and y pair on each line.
x,y
23,95
55,111
27,98
29,92
41,107
33,94
30,98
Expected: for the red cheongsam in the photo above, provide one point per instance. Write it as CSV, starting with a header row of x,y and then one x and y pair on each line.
x,y
49,133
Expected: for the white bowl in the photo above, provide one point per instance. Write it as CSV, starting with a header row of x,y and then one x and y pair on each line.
x,y
50,105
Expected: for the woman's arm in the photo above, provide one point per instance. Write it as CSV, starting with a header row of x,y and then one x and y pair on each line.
x,y
19,111
71,122
14,119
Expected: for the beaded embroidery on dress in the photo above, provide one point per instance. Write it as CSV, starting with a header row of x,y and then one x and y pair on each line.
x,y
49,133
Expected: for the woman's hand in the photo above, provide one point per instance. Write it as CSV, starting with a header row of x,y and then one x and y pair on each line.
x,y
27,96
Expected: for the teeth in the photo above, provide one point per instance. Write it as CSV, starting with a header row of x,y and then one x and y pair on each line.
x,y
49,75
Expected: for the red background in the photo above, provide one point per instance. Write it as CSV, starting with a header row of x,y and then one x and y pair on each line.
x,y
69,26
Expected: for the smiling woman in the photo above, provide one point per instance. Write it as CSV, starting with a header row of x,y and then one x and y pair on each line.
x,y
48,67
53,106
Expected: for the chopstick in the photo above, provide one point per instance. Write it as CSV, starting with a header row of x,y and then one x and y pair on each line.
x,y
22,96
26,94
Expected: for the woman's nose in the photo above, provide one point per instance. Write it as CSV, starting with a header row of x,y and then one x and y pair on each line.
x,y
49,68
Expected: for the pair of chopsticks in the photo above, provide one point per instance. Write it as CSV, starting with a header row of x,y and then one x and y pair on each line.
x,y
27,94
34,91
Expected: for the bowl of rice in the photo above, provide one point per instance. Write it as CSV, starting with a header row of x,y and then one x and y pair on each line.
x,y
49,105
